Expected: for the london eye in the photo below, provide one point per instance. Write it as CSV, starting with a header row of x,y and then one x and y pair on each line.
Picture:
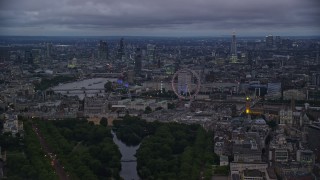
x,y
186,84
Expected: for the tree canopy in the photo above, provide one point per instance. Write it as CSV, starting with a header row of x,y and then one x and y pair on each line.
x,y
104,121
25,158
168,150
47,83
86,151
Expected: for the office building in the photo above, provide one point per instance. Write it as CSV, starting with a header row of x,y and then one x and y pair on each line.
x,y
281,155
312,139
269,41
233,51
252,174
36,55
247,151
159,63
273,91
305,156
286,43
177,64
103,50
120,52
277,41
286,116
28,58
138,62
233,44
315,79
151,53
49,50
295,94
95,105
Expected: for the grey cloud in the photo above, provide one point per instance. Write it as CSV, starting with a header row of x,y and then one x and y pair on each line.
x,y
166,15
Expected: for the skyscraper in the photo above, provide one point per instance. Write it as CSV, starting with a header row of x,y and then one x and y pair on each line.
x,y
177,64
286,43
269,41
120,52
49,50
103,50
138,62
233,44
159,63
177,61
233,51
28,58
277,41
250,58
151,52
36,56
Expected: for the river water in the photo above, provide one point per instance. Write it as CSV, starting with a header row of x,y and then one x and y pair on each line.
x,y
128,169
87,87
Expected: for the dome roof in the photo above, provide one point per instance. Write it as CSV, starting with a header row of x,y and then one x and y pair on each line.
x,y
260,121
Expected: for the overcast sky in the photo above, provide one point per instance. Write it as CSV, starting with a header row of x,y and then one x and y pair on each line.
x,y
159,17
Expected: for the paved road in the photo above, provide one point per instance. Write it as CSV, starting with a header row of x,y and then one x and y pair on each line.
x,y
54,161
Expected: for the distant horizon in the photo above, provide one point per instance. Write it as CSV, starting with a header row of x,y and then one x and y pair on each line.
x,y
164,36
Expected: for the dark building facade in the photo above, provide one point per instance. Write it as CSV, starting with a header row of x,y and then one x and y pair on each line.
x,y
233,45
103,50
120,52
269,41
138,62
28,58
277,41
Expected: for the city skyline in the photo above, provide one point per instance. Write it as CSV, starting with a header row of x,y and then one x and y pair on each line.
x,y
119,107
159,18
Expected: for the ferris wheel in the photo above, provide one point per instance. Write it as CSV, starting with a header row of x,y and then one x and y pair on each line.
x,y
186,84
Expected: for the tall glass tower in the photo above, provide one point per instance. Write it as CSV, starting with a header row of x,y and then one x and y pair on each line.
x,y
120,52
103,50
233,51
233,44
138,62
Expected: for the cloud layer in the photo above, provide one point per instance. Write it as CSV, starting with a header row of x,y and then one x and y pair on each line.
x,y
159,17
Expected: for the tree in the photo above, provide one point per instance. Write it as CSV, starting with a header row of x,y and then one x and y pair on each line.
x,y
104,121
86,151
91,123
148,110
222,170
171,106
175,151
268,139
272,124
108,86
